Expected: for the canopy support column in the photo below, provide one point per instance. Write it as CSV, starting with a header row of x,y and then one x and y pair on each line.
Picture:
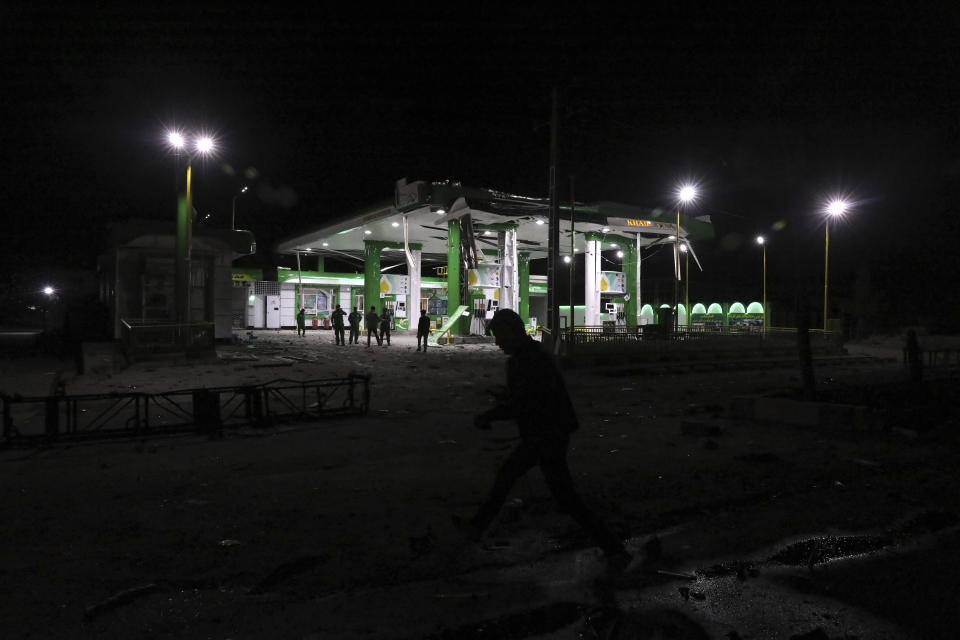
x,y
591,281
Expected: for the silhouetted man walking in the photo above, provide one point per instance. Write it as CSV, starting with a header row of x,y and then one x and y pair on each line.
x,y
537,399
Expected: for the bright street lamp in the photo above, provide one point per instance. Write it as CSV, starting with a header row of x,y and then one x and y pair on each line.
x,y
762,242
834,209
203,144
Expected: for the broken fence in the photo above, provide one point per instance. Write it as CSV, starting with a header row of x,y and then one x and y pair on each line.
x,y
28,421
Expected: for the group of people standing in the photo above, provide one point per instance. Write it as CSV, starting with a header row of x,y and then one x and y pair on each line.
x,y
378,326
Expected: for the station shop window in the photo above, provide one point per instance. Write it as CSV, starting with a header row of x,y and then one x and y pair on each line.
x,y
315,300
437,306
309,300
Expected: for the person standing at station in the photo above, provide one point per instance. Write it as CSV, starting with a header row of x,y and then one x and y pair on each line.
x,y
373,322
537,398
385,321
338,314
301,322
423,329
355,317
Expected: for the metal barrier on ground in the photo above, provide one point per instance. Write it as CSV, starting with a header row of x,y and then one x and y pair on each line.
x,y
28,421
146,340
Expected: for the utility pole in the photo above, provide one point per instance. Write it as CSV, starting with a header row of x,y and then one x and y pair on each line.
x,y
553,243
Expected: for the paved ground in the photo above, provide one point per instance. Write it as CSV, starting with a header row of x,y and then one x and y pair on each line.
x,y
342,529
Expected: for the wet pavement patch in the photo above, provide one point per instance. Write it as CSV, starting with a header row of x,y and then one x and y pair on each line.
x,y
823,549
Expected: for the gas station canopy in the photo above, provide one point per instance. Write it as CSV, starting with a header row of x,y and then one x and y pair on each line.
x,y
421,210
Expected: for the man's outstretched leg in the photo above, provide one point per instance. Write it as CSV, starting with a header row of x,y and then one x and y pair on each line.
x,y
553,463
517,463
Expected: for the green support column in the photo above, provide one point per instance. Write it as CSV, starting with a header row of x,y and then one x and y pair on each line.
x,y
371,275
523,275
453,271
630,271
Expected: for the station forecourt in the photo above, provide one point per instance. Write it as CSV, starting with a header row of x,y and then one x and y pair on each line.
x,y
441,246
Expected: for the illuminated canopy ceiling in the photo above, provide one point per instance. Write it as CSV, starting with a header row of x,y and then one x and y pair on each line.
x,y
427,208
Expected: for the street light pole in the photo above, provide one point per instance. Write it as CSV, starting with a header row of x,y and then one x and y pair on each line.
x,y
686,194
826,264
233,209
764,288
762,242
835,208
184,239
676,277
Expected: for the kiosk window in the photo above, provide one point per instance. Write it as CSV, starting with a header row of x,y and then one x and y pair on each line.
x,y
310,299
437,306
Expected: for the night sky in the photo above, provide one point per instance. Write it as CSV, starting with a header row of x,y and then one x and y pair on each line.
x,y
771,107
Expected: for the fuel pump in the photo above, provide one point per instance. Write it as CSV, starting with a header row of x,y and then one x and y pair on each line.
x,y
478,325
390,307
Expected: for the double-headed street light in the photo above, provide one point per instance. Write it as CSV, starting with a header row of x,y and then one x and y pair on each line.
x,y
685,194
834,208
198,145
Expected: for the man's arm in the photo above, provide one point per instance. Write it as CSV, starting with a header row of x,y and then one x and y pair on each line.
x,y
504,409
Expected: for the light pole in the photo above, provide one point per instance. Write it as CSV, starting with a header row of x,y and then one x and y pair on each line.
x,y
201,145
835,208
233,209
762,242
686,194
686,285
47,291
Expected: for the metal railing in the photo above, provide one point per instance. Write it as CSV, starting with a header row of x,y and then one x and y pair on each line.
x,y
28,421
653,332
143,340
946,357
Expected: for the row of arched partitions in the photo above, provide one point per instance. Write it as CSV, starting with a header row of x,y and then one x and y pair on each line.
x,y
703,316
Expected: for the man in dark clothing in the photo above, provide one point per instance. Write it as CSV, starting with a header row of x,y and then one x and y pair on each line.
x,y
373,322
423,329
301,322
385,326
354,319
338,314
537,399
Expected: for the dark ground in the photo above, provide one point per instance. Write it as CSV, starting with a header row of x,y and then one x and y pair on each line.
x,y
342,529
